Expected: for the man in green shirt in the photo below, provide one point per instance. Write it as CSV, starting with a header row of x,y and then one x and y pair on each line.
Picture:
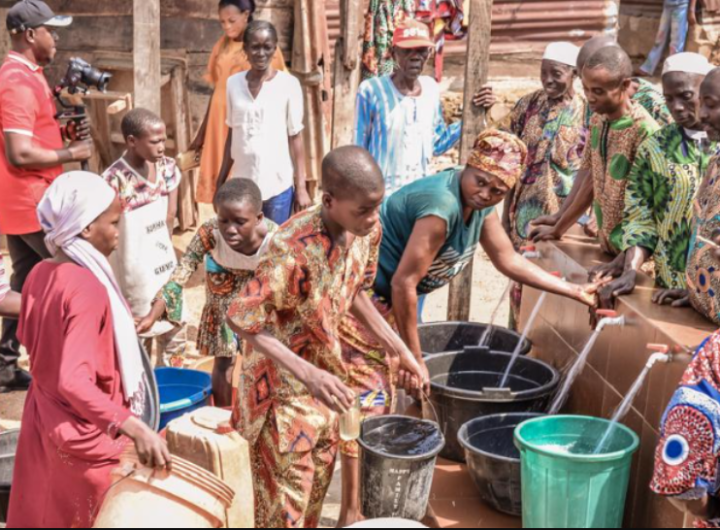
x,y
663,183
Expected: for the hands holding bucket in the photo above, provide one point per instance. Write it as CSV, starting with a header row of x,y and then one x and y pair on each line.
x,y
414,376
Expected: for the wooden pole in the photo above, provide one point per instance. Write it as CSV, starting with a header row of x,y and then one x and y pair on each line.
x,y
146,54
4,36
347,73
311,64
476,76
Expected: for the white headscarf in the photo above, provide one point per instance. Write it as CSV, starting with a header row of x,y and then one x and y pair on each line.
x,y
71,204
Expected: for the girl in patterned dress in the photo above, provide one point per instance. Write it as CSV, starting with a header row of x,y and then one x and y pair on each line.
x,y
231,246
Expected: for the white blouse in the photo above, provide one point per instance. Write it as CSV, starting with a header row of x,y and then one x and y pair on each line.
x,y
260,130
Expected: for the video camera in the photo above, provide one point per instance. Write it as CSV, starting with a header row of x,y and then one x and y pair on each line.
x,y
81,76
79,79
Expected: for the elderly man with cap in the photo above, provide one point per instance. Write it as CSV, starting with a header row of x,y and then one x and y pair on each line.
x,y
663,184
400,117
32,154
551,122
431,231
89,384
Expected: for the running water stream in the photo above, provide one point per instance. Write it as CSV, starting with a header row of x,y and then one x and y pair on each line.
x,y
627,403
611,319
518,349
487,335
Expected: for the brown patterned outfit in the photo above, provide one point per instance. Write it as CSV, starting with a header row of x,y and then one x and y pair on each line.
x,y
370,373
302,290
555,134
609,159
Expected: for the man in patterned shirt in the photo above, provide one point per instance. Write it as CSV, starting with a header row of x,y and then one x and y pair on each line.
x,y
663,183
617,128
315,271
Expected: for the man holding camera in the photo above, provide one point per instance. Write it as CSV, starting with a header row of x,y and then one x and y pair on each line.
x,y
32,154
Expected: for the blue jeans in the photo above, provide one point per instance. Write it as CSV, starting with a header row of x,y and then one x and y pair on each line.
x,y
279,209
674,27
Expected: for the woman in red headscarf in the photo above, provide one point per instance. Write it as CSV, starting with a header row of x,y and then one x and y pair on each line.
x,y
431,231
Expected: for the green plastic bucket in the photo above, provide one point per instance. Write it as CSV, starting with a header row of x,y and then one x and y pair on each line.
x,y
566,485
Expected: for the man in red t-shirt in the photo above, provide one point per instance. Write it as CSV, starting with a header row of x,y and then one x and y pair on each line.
x,y
32,155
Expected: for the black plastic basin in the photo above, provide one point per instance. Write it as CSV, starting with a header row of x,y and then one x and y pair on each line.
x,y
464,388
493,461
443,337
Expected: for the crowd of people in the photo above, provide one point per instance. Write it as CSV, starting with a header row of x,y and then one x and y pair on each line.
x,y
320,302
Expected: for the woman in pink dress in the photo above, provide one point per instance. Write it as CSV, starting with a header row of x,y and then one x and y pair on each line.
x,y
88,379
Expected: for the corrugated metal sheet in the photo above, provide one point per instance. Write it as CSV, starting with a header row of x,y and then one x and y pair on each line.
x,y
332,10
529,25
544,21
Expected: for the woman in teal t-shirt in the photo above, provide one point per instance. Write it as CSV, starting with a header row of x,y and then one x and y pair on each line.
x,y
432,228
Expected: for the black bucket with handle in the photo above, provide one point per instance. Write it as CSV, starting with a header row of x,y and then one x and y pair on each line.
x,y
397,465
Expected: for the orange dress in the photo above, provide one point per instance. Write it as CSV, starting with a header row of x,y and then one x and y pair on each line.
x,y
228,58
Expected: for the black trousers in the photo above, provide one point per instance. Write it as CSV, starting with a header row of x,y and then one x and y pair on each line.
x,y
25,252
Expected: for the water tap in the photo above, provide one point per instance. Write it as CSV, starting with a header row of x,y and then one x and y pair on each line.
x,y
661,355
530,252
609,318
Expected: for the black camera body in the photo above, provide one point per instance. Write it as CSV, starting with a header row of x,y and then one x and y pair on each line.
x,y
81,76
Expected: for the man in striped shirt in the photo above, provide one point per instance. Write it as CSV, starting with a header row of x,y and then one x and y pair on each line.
x,y
400,117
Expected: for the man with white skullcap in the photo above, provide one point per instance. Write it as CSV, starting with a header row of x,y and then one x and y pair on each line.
x,y
663,184
551,123
88,378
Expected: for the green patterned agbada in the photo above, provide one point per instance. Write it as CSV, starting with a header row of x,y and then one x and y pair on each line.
x,y
652,100
659,200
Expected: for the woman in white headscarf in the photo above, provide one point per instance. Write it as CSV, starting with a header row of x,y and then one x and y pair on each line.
x,y
88,380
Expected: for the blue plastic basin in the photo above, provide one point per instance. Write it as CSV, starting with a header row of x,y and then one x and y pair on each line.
x,y
181,392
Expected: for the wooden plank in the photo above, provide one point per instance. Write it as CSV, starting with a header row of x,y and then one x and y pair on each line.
x,y
476,75
146,52
168,8
351,16
344,99
311,56
101,123
187,210
346,79
90,32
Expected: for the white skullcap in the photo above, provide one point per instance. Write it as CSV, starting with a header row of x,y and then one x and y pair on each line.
x,y
562,52
688,63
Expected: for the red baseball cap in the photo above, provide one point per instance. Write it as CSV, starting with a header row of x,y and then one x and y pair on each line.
x,y
412,34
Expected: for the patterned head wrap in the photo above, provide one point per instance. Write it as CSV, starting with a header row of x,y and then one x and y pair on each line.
x,y
501,154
